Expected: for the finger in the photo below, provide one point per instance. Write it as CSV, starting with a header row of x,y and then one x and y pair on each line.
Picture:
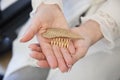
x,y
48,52
37,55
32,30
78,54
67,57
43,64
35,47
71,48
61,62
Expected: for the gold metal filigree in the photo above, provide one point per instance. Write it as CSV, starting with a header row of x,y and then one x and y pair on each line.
x,y
60,37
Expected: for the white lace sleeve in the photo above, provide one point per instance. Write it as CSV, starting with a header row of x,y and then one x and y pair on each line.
x,y
36,3
108,18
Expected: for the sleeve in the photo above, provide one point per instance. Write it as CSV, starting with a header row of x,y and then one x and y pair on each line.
x,y
108,18
36,3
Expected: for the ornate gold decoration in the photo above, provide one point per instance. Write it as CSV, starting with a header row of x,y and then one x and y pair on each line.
x,y
60,37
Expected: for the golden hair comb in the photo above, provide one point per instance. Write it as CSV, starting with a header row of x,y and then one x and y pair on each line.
x,y
60,37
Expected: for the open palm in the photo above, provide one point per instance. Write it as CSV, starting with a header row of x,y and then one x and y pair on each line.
x,y
81,47
48,16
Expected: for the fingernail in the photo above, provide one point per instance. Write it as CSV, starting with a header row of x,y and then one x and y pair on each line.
x,y
21,40
70,67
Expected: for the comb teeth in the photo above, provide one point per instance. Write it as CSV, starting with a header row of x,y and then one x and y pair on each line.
x,y
61,42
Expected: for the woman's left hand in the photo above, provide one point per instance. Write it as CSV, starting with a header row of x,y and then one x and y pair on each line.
x,y
81,47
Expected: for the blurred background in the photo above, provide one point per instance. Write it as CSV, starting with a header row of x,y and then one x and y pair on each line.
x,y
13,14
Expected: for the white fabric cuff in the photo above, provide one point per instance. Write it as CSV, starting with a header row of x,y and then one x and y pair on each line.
x,y
36,3
107,25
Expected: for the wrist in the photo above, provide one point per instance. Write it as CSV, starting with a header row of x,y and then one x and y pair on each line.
x,y
90,31
55,6
56,2
37,3
50,7
50,11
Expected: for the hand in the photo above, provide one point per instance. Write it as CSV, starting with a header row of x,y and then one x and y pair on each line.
x,y
81,46
48,16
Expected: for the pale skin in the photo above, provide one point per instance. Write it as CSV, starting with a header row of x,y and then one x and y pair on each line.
x,y
53,56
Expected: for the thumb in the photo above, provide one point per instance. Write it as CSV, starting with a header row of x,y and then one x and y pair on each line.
x,y
32,30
